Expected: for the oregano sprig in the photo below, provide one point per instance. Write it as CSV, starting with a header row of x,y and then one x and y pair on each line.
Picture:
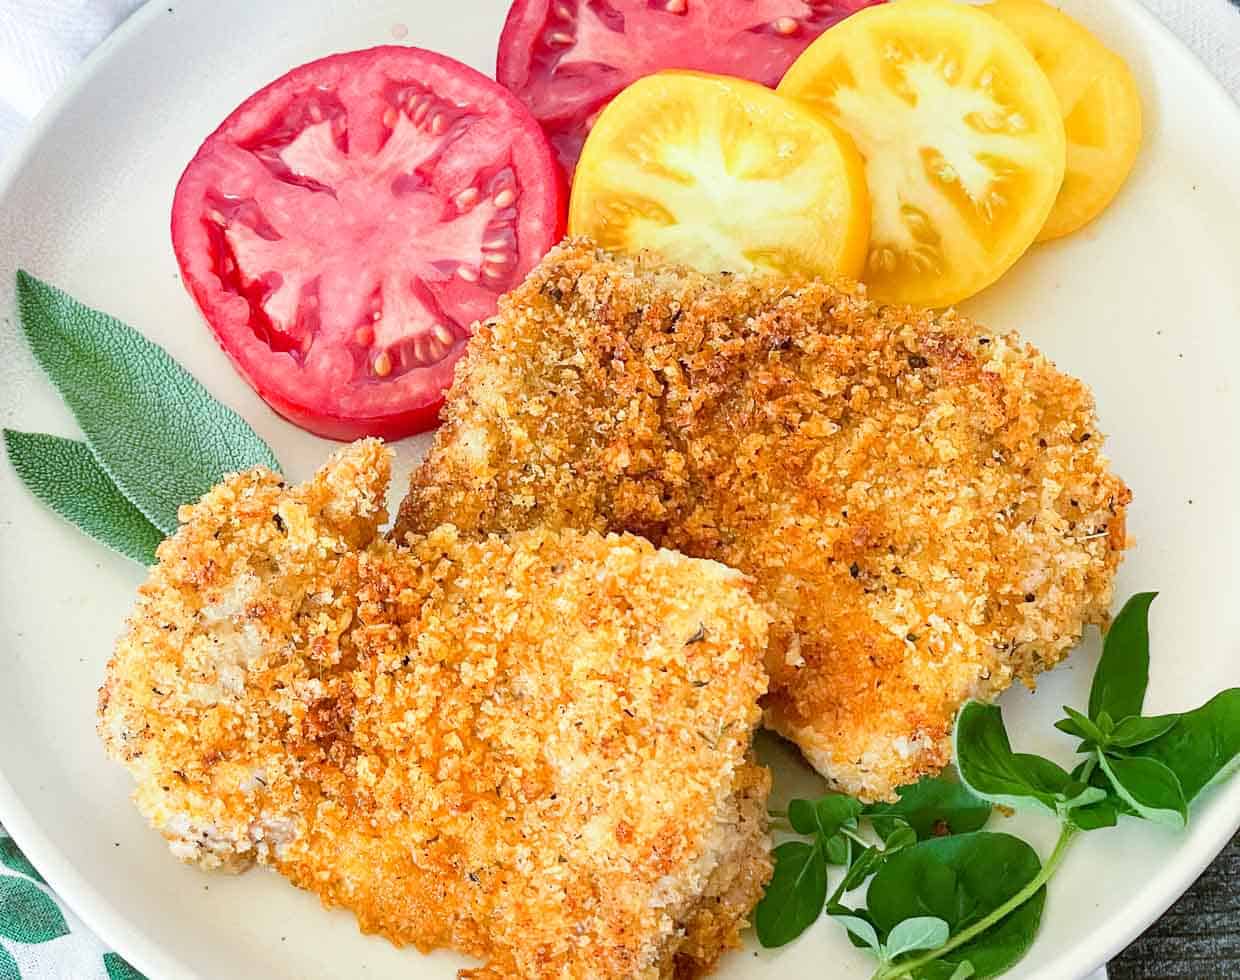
x,y
947,900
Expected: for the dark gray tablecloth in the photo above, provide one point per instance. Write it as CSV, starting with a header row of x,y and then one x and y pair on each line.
x,y
1200,937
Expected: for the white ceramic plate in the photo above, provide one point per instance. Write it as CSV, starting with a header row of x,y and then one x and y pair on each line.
x,y
1144,305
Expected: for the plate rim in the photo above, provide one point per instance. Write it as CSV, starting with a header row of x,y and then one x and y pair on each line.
x,y
118,932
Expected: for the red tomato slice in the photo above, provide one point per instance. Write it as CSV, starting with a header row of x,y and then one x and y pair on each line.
x,y
566,59
346,225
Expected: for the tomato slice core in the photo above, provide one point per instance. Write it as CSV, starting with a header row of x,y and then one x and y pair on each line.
x,y
346,225
566,59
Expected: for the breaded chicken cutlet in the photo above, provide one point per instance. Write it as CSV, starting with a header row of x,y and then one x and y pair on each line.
x,y
923,505
533,750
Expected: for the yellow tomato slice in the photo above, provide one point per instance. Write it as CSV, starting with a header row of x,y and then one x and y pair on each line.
x,y
1098,99
723,175
962,139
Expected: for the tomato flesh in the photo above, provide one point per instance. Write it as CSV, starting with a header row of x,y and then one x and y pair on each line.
x,y
345,227
566,59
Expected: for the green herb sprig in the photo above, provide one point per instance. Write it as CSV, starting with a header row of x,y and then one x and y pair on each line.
x,y
948,900
155,438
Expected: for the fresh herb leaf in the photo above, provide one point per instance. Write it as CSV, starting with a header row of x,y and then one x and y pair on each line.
x,y
864,865
835,910
900,837
157,433
916,934
825,815
962,879
1148,787
863,931
1080,726
65,476
838,849
795,896
1134,731
1096,816
933,807
991,770
802,816
1203,746
1123,672
1105,812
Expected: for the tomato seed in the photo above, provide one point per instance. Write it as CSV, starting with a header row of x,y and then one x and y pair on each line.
x,y
676,6
785,26
389,118
443,334
365,336
505,198
559,37
383,365
467,274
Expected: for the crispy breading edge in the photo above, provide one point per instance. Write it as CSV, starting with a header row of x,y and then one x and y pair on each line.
x,y
222,807
582,405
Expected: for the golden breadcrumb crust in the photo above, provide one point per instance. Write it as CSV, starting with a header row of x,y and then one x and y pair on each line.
x,y
533,750
924,504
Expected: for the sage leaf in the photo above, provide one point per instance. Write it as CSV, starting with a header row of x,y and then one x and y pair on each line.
x,y
961,879
795,896
1132,732
65,476
991,770
27,914
1203,746
933,807
1123,672
921,932
8,966
158,434
862,929
1148,787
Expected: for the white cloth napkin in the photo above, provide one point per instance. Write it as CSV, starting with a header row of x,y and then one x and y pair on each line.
x,y
42,40
1212,29
40,43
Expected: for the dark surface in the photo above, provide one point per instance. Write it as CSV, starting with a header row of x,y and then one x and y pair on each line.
x,y
1199,937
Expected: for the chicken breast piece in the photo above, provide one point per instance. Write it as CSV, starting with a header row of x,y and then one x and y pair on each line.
x,y
924,505
534,750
